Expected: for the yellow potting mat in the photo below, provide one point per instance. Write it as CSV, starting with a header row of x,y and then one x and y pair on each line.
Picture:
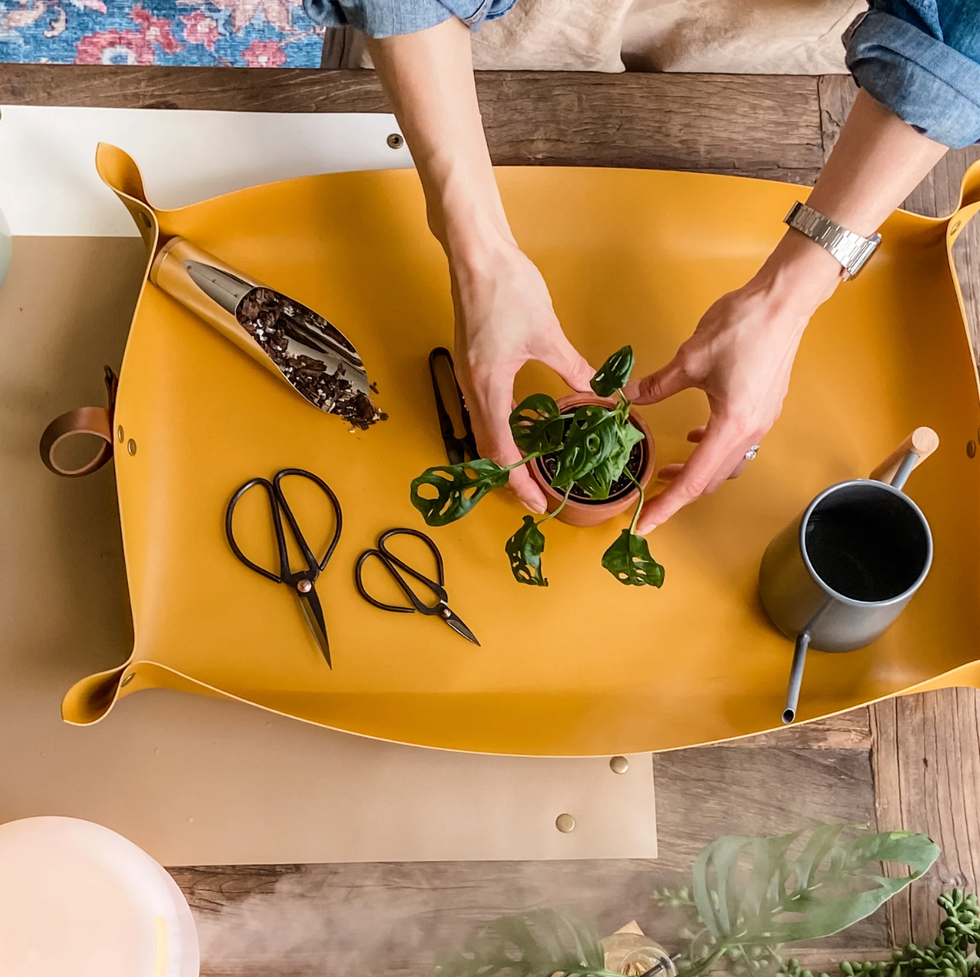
x,y
586,666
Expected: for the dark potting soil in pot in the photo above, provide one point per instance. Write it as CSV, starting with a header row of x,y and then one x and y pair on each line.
x,y
548,465
269,317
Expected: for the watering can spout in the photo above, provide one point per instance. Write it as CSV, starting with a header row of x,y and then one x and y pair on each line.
x,y
796,677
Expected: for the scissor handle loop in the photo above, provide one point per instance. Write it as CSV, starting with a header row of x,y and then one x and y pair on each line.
x,y
438,588
294,525
276,523
393,564
396,576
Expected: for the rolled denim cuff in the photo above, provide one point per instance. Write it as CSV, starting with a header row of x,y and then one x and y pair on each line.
x,y
378,18
386,18
926,83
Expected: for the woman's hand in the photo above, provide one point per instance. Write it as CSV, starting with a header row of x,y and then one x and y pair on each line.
x,y
504,318
742,352
504,315
741,356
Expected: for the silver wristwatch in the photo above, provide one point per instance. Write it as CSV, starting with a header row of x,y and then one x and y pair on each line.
x,y
850,249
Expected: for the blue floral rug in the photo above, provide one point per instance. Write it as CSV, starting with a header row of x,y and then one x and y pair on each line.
x,y
234,33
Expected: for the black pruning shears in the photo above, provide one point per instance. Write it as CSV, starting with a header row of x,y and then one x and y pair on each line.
x,y
301,581
459,448
402,573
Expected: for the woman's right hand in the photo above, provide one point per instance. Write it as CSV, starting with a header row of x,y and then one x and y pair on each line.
x,y
504,318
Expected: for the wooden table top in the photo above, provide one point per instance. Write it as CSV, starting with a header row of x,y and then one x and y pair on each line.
x,y
912,763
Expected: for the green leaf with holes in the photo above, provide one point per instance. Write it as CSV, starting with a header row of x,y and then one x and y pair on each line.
x,y
537,425
590,440
597,484
524,551
456,488
614,373
629,561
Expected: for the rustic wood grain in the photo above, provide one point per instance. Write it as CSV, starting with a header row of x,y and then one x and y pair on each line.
x,y
305,920
846,731
765,126
388,919
926,758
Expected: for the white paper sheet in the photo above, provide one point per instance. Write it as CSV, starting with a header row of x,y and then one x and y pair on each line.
x,y
48,183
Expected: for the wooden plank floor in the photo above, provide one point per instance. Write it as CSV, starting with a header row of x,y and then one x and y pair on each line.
x,y
912,763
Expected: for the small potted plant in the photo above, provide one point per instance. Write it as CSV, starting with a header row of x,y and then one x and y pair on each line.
x,y
592,456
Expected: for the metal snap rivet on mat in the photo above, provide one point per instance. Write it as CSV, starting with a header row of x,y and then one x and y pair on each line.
x,y
619,764
120,433
954,227
129,678
971,449
396,140
565,823
131,447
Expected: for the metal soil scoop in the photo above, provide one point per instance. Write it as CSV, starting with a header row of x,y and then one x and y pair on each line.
x,y
841,572
291,340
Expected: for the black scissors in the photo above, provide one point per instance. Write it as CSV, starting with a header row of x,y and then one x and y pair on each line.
x,y
303,580
393,565
458,449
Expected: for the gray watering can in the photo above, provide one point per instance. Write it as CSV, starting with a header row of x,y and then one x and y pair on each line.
x,y
838,575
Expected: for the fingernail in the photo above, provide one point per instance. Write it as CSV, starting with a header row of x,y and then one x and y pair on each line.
x,y
537,507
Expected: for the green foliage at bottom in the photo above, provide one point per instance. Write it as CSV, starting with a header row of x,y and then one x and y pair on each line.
x,y
953,954
534,944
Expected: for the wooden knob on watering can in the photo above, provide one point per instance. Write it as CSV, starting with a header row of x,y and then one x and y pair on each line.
x,y
914,450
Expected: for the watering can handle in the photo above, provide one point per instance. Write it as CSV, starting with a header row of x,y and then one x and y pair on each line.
x,y
921,443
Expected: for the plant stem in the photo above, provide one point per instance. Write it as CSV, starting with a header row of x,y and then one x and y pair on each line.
x,y
561,505
705,964
639,502
517,464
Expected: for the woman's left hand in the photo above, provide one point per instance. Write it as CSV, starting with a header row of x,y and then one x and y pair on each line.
x,y
741,355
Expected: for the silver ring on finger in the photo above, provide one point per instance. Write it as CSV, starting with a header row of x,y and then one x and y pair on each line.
x,y
752,452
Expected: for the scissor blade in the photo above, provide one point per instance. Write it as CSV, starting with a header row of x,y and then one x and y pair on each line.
x,y
457,625
314,618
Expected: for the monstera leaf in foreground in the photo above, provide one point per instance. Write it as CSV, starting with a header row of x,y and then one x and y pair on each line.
x,y
755,891
750,895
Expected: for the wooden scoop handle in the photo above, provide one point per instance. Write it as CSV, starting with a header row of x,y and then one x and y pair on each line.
x,y
923,441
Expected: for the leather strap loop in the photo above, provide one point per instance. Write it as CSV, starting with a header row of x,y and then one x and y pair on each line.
x,y
82,420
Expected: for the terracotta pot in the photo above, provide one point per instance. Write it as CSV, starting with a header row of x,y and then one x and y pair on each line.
x,y
593,513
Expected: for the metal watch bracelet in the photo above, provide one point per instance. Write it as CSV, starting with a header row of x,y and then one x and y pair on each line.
x,y
850,249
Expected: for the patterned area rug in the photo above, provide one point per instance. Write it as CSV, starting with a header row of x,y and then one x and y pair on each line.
x,y
234,33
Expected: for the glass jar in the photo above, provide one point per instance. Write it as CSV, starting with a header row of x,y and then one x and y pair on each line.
x,y
631,953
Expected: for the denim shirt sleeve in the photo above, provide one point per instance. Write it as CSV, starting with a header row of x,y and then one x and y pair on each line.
x,y
921,59
384,18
